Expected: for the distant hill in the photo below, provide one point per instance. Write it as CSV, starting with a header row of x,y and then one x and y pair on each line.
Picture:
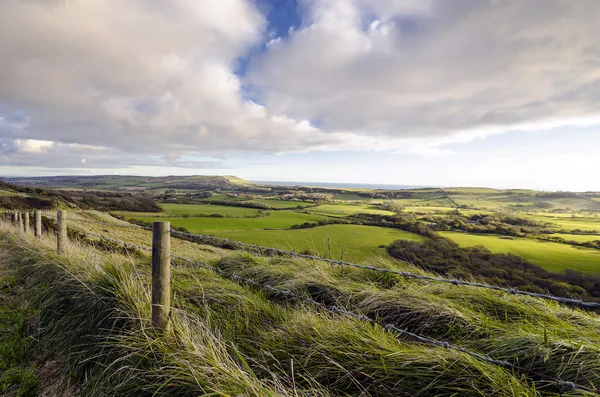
x,y
129,182
21,197
29,197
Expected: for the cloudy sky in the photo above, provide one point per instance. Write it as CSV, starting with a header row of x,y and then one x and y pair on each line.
x,y
502,93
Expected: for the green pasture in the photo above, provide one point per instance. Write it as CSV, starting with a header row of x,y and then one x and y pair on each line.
x,y
275,220
569,223
434,201
494,202
348,242
347,209
472,190
280,204
428,209
580,238
177,210
555,257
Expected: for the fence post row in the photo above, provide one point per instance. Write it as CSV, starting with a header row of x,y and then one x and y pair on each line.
x,y
161,275
20,221
26,222
61,232
37,230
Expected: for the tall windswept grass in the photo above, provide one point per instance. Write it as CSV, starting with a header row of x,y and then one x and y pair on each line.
x,y
231,339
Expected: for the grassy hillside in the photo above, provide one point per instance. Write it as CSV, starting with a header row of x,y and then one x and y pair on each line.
x,y
125,182
232,338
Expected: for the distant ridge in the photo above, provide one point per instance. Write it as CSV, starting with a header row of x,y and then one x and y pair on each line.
x,y
338,185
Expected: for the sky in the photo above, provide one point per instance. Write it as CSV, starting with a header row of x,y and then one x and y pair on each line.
x,y
498,93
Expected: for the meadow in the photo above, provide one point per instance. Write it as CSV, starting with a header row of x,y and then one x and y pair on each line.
x,y
580,238
274,220
569,223
348,242
347,209
178,210
555,257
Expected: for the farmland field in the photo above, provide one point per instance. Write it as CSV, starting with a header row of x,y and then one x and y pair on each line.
x,y
580,238
275,220
569,223
347,209
350,242
175,210
554,257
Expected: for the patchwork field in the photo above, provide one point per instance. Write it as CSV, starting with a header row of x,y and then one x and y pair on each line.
x,y
580,238
275,220
569,223
554,257
352,242
347,209
178,210
348,242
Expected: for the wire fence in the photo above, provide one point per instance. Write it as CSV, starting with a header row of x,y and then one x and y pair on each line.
x,y
561,384
217,241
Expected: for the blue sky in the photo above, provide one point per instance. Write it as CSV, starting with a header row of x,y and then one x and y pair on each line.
x,y
427,92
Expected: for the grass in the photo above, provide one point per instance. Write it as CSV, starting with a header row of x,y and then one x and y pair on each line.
x,y
229,339
350,242
281,204
11,193
177,210
569,223
17,367
275,220
347,209
580,238
555,257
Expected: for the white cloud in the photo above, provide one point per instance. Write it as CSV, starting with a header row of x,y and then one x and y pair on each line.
x,y
433,69
151,77
127,81
34,146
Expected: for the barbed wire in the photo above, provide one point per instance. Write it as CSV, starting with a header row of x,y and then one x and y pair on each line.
x,y
212,240
361,317
391,327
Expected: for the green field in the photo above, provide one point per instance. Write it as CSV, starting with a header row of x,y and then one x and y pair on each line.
x,y
569,223
580,238
177,210
281,204
347,209
350,242
555,257
275,220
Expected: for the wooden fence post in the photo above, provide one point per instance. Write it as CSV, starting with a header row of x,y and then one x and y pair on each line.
x,y
26,222
20,221
61,232
161,275
37,231
15,217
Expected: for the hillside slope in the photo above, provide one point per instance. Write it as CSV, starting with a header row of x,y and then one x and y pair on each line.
x,y
25,198
231,337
